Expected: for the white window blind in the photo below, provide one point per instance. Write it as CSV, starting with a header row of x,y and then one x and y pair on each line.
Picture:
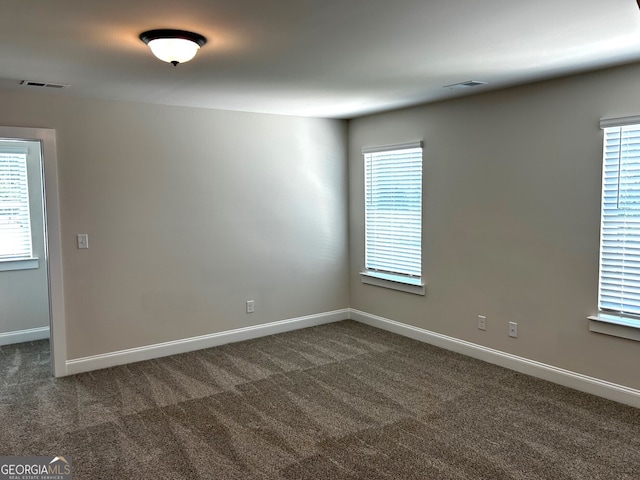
x,y
15,224
393,210
620,232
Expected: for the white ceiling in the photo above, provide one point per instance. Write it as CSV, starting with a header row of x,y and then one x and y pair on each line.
x,y
326,58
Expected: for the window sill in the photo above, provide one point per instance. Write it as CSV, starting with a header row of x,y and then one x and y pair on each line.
x,y
394,282
19,264
615,325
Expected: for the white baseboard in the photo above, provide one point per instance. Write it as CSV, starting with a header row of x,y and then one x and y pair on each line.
x,y
577,381
112,359
567,378
22,336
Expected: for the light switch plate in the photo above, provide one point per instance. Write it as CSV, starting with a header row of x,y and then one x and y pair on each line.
x,y
83,240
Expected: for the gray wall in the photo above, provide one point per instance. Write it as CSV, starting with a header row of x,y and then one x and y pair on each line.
x,y
511,219
24,299
189,213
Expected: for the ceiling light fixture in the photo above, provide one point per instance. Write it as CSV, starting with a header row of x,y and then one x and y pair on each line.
x,y
173,46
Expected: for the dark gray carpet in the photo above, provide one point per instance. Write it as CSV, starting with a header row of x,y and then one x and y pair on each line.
x,y
339,401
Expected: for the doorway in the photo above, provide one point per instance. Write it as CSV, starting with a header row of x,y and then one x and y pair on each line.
x,y
24,295
30,254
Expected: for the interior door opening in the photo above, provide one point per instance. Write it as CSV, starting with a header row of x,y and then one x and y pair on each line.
x,y
31,298
24,292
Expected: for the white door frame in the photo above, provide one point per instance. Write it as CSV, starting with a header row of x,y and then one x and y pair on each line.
x,y
53,244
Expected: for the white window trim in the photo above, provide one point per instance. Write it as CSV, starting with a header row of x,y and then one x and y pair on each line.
x,y
612,323
615,325
11,264
397,146
619,121
392,281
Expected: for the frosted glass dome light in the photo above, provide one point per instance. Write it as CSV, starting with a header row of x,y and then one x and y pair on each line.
x,y
173,46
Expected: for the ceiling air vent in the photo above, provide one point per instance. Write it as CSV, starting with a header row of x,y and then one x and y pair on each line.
x,y
468,84
28,83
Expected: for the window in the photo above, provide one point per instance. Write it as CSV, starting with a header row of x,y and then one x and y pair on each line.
x,y
15,224
393,217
